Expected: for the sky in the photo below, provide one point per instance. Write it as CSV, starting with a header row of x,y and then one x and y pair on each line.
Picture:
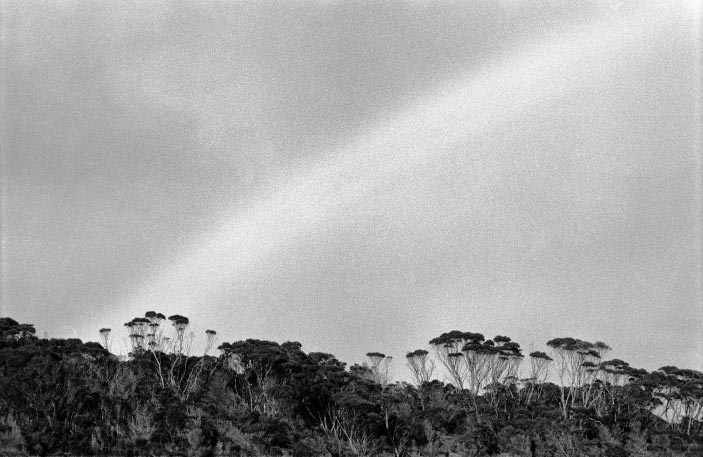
x,y
357,175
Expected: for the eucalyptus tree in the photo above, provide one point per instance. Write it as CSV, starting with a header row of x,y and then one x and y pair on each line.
x,y
180,324
155,317
564,351
601,348
491,365
610,379
210,339
137,329
507,359
479,358
614,372
539,371
154,338
681,390
448,348
105,338
146,333
375,359
379,367
575,366
421,366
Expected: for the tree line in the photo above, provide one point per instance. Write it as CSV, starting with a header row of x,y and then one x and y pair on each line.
x,y
471,396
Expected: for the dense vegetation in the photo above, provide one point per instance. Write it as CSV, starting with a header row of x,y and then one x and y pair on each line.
x,y
65,397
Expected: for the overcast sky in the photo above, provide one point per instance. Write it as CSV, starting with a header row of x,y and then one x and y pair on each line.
x,y
357,175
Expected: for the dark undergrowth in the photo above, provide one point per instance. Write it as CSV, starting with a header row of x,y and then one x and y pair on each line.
x,y
261,398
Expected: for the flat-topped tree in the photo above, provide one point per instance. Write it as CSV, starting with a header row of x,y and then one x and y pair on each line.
x,y
570,355
177,319
487,363
153,335
601,348
137,330
680,391
448,349
589,358
153,316
145,332
180,323
375,358
379,366
615,372
421,366
509,352
130,327
539,366
210,341
539,371
105,338
502,360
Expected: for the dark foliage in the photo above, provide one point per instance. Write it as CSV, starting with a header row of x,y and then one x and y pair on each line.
x,y
66,397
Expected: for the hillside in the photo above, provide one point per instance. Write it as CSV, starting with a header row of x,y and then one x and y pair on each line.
x,y
66,397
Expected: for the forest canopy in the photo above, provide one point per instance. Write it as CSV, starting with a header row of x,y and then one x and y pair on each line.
x,y
471,396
